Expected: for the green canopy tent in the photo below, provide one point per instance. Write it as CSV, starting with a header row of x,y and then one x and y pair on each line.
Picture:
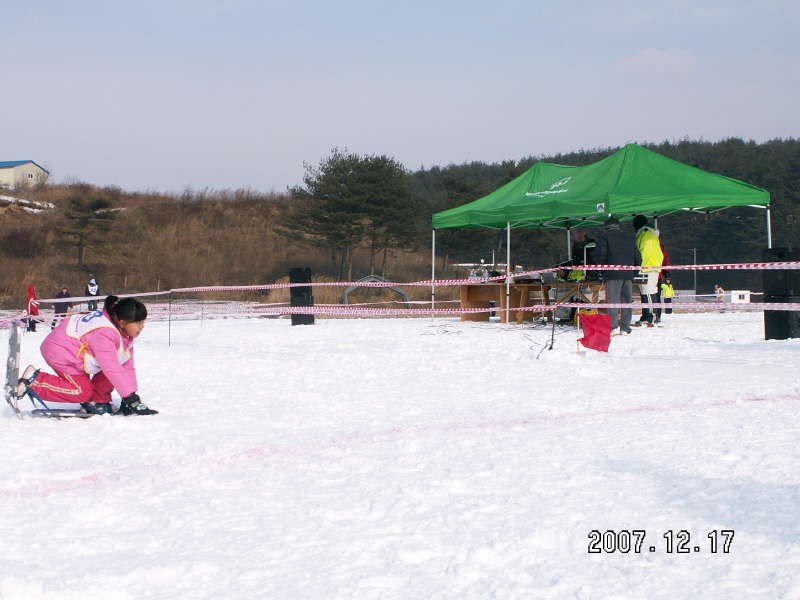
x,y
631,181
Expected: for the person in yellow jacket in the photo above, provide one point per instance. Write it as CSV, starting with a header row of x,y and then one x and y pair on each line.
x,y
652,256
667,294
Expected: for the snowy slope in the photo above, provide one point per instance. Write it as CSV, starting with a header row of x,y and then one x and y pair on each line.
x,y
415,459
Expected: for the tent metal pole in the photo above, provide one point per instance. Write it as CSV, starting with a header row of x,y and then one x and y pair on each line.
x,y
433,271
769,228
569,245
509,269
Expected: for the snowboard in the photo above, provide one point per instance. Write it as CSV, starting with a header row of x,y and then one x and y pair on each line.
x,y
12,366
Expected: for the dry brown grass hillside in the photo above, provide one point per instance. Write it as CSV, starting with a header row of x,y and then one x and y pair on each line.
x,y
159,242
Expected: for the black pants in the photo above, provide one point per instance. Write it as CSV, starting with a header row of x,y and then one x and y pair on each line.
x,y
620,291
657,299
647,314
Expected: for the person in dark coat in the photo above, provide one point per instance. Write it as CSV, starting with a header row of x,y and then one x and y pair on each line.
x,y
92,289
61,308
614,247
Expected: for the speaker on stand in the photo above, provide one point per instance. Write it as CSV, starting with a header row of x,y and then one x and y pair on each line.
x,y
781,286
301,295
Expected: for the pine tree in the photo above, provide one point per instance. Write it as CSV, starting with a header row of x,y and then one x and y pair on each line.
x,y
349,200
89,218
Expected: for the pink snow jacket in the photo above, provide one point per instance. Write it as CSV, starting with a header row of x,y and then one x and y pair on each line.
x,y
89,344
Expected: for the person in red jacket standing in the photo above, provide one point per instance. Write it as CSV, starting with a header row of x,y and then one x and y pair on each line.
x,y
32,308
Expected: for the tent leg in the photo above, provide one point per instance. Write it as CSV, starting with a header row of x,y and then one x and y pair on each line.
x,y
569,244
433,271
769,228
509,270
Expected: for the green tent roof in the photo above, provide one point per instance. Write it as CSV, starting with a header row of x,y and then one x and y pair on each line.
x,y
631,181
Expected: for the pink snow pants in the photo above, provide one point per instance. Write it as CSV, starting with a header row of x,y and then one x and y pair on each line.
x,y
64,387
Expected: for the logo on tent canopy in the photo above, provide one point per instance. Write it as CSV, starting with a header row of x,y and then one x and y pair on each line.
x,y
601,207
552,189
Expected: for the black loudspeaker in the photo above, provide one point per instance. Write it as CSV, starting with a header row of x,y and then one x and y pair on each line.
x,y
302,319
781,282
301,295
298,275
781,324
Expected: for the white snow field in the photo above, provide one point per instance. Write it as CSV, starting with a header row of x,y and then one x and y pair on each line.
x,y
417,459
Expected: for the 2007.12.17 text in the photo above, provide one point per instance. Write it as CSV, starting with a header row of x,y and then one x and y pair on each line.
x,y
625,541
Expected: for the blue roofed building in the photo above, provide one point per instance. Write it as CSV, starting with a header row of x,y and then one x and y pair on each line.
x,y
19,173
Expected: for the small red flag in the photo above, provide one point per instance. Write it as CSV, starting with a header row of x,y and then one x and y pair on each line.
x,y
596,332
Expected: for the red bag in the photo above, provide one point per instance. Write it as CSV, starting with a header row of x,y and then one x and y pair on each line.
x,y
596,332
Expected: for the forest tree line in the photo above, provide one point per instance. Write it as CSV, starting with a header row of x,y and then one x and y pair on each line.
x,y
353,216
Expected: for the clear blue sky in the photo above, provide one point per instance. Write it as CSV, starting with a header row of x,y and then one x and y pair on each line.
x,y
164,94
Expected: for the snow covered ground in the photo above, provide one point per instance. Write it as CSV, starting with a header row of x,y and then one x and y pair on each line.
x,y
416,459
26,205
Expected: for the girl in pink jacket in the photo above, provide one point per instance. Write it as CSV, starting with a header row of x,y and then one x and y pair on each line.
x,y
92,355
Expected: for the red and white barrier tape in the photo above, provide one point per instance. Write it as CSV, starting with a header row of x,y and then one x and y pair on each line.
x,y
437,282
355,311
497,278
177,312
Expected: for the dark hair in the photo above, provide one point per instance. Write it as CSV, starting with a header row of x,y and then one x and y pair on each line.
x,y
639,221
129,310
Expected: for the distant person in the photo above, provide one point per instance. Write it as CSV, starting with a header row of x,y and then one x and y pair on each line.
x,y
579,244
667,294
650,250
617,248
32,308
720,294
92,355
61,308
92,289
579,253
662,276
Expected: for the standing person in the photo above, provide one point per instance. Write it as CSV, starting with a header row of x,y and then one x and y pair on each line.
x,y
32,309
650,250
579,244
92,289
662,276
617,248
92,355
578,253
720,293
667,294
61,308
